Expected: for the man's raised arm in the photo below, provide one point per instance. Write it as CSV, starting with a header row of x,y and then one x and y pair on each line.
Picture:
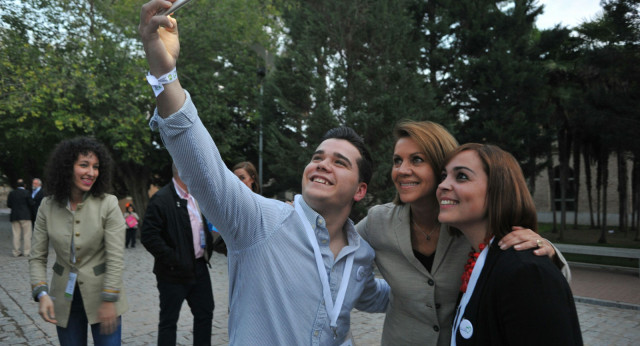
x,y
162,46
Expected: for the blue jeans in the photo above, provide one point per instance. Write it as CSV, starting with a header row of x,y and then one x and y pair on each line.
x,y
76,332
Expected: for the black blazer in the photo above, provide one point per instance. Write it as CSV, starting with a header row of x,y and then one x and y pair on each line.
x,y
521,299
166,234
37,199
20,202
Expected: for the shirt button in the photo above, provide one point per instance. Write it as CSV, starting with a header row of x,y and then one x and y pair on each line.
x,y
77,221
77,234
324,241
436,328
437,305
315,333
430,282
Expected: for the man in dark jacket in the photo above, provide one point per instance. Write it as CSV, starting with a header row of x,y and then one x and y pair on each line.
x,y
36,195
20,203
176,234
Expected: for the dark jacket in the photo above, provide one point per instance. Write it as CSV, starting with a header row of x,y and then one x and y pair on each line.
x,y
20,202
166,234
37,199
520,299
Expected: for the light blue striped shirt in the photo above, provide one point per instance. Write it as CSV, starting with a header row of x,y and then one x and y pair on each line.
x,y
275,293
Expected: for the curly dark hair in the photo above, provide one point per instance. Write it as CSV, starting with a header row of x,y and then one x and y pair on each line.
x,y
59,169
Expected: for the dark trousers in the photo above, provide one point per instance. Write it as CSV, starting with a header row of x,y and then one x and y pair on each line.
x,y
130,238
199,296
75,334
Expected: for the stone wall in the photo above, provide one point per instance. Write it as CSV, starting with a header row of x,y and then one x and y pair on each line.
x,y
542,194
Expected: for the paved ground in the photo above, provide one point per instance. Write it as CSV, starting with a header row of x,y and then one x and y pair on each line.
x,y
608,304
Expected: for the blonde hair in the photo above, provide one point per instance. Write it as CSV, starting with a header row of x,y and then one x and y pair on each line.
x,y
433,139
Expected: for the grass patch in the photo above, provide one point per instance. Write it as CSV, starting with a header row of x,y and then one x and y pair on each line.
x,y
603,260
584,235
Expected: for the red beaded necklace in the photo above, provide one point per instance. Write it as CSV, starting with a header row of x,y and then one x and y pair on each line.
x,y
468,268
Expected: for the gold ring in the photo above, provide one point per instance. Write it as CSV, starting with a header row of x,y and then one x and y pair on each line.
x,y
539,243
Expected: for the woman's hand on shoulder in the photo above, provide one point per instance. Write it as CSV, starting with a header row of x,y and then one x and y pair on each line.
x,y
522,238
46,309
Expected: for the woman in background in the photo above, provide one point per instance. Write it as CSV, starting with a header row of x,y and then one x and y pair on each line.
x,y
510,297
85,227
246,172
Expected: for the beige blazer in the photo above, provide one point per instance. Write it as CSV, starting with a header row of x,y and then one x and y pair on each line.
x,y
422,304
98,231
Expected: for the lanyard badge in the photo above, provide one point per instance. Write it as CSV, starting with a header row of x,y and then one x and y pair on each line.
x,y
71,284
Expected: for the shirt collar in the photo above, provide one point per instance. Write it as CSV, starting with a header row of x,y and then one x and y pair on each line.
x,y
316,220
182,193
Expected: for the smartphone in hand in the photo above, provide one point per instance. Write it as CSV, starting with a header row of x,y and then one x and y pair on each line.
x,y
176,5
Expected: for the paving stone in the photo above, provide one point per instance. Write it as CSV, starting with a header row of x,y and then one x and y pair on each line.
x,y
20,323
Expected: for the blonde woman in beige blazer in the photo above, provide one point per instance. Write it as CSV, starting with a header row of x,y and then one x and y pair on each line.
x,y
420,259
86,229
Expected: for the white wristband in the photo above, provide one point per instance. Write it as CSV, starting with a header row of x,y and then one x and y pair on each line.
x,y
42,294
158,83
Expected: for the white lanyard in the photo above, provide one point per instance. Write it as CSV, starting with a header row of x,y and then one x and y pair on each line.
x,y
332,310
477,268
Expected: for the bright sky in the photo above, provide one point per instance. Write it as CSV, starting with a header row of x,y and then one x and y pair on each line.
x,y
568,12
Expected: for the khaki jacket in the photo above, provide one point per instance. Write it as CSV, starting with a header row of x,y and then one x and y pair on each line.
x,y
98,231
422,304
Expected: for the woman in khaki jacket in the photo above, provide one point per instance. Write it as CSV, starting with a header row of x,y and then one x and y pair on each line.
x,y
86,229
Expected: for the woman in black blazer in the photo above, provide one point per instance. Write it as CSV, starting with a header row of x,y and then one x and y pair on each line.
x,y
509,297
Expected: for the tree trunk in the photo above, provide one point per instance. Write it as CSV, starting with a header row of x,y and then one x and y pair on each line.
x,y
603,183
635,193
622,191
577,146
136,180
599,170
564,142
587,174
532,177
550,174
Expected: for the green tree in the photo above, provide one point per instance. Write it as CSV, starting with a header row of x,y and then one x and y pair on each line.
x,y
352,63
83,74
501,78
610,73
